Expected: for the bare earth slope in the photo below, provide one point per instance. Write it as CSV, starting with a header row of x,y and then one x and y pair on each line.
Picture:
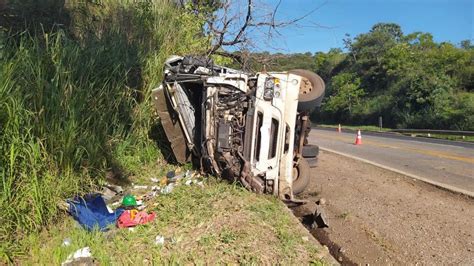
x,y
380,217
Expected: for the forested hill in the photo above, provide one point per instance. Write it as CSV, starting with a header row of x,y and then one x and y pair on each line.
x,y
408,79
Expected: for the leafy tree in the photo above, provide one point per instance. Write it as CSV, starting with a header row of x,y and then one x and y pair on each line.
x,y
345,94
409,79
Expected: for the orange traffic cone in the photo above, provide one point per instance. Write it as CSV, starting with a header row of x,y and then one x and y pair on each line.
x,y
358,138
339,130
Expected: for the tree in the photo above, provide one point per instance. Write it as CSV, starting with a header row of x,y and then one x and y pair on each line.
x,y
346,93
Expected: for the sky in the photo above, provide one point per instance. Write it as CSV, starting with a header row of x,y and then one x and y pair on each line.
x,y
446,20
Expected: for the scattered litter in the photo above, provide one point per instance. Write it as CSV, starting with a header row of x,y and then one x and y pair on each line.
x,y
91,211
130,218
131,229
66,242
140,187
141,208
188,182
170,174
154,180
175,179
82,256
305,238
167,189
129,201
159,240
139,202
108,193
115,188
163,181
200,183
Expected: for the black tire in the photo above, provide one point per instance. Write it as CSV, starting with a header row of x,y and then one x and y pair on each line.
x,y
310,151
312,162
311,95
302,177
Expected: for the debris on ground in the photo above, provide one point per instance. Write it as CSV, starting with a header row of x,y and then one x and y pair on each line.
x,y
91,212
167,189
115,188
131,218
108,193
159,240
66,242
81,256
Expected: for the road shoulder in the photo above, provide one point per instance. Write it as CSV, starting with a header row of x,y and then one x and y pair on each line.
x,y
379,217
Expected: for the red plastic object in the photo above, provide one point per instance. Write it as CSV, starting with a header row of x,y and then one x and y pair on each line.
x,y
125,220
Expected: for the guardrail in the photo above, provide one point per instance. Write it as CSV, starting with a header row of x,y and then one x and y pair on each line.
x,y
435,131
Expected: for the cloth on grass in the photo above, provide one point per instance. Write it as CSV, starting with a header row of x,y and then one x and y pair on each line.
x,y
125,220
91,212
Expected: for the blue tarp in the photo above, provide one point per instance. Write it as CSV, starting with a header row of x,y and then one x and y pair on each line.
x,y
91,212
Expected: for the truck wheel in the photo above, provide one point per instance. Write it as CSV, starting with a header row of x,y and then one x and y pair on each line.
x,y
300,176
311,90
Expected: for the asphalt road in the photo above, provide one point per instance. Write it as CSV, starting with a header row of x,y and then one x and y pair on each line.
x,y
442,163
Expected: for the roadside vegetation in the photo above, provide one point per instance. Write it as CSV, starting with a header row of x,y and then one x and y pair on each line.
x,y
377,129
75,79
214,224
410,80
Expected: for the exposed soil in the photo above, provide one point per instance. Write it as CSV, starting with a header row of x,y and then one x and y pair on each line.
x,y
380,217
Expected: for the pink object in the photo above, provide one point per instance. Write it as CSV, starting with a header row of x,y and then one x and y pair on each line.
x,y
125,220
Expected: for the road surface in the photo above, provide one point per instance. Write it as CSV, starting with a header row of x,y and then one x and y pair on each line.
x,y
442,163
379,217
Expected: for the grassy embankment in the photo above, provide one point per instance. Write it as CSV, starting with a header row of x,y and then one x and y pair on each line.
x,y
216,223
75,82
377,129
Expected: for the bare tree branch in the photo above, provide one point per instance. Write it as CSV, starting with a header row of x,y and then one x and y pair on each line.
x,y
227,28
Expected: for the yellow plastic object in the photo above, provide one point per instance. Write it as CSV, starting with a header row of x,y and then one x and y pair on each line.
x,y
133,213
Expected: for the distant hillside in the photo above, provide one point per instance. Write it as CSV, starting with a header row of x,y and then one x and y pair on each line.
x,y
408,79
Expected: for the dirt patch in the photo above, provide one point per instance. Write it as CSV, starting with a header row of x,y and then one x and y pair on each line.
x,y
379,217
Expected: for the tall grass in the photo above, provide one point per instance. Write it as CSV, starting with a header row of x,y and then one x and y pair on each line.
x,y
74,102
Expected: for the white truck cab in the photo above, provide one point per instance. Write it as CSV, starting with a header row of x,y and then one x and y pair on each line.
x,y
244,127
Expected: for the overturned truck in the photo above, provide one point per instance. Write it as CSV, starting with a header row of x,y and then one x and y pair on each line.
x,y
245,127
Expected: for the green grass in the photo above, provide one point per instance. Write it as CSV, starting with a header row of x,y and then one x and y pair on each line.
x,y
448,137
364,128
219,223
74,100
377,129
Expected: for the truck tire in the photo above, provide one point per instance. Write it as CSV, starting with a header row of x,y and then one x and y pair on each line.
x,y
311,90
301,176
310,151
